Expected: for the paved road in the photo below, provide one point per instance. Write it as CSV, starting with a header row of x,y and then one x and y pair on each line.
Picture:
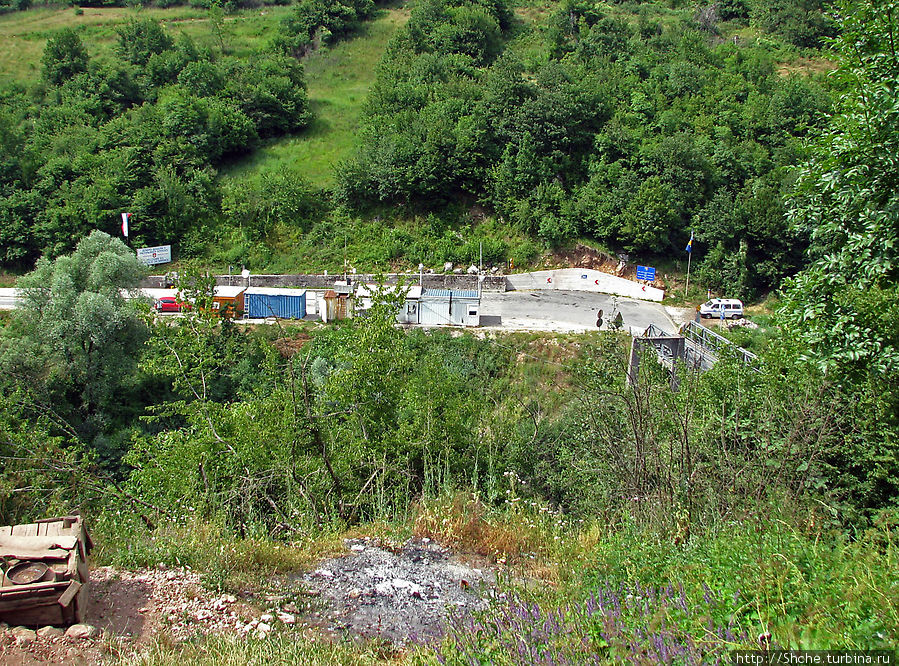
x,y
566,311
562,311
8,298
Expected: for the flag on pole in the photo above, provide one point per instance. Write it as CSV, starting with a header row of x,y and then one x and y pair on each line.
x,y
690,243
126,217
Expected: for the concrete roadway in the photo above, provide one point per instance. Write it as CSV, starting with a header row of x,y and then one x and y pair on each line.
x,y
567,311
550,310
8,299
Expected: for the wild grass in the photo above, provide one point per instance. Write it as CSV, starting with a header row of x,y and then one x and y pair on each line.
x,y
24,34
338,79
521,532
228,561
278,649
808,586
577,590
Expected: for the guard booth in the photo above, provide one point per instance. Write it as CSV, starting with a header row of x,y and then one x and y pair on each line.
x,y
408,311
44,572
445,307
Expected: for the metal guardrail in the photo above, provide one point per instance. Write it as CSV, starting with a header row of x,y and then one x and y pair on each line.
x,y
653,331
702,348
718,344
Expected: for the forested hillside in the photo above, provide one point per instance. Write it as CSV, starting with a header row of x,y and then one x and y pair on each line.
x,y
629,129
627,126
651,521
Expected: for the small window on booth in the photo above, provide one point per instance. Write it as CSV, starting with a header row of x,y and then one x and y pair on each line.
x,y
216,305
472,311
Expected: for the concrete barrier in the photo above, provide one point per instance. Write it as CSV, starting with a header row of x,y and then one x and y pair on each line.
x,y
429,281
583,279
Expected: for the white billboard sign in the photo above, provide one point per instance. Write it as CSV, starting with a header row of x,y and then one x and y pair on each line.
x,y
161,254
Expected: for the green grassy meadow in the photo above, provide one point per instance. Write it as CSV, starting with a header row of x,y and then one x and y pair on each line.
x,y
24,34
338,79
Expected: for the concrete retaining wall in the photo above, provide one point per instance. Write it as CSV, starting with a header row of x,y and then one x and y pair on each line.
x,y
571,279
430,281
583,279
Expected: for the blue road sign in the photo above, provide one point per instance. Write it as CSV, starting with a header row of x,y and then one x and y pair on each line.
x,y
646,273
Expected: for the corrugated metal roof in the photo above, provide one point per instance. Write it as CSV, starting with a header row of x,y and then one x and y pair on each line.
x,y
446,293
275,291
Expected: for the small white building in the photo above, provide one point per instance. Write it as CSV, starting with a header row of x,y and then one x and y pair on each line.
x,y
409,310
446,307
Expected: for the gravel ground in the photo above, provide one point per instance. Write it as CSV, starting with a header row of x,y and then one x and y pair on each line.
x,y
396,594
392,593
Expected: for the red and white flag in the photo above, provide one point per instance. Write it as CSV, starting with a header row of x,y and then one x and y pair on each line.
x,y
125,219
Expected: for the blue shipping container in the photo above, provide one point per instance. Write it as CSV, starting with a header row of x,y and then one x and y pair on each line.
x,y
262,303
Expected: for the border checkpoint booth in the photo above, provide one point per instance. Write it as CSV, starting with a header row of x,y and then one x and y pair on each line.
x,y
447,307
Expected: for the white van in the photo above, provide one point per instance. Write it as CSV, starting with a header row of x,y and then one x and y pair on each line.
x,y
731,307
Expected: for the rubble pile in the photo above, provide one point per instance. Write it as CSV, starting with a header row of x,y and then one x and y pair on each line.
x,y
397,594
392,592
741,323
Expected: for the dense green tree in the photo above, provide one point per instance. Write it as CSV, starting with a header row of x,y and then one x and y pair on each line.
x,y
76,337
64,57
845,305
313,23
258,208
801,22
141,39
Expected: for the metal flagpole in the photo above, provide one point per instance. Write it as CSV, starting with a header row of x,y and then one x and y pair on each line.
x,y
687,287
689,259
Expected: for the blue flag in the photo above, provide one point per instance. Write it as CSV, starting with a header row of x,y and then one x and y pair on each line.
x,y
690,243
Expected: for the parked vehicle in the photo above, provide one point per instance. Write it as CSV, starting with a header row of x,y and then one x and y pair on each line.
x,y
169,304
731,307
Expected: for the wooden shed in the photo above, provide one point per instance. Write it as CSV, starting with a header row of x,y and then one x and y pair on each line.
x,y
45,575
338,302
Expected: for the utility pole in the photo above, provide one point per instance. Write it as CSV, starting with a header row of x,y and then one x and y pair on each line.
x,y
480,267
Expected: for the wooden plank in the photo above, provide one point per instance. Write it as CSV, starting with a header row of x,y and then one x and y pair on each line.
x,y
27,530
19,590
36,617
72,564
32,601
37,547
66,597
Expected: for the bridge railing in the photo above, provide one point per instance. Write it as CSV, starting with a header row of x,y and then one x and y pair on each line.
x,y
718,344
653,331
